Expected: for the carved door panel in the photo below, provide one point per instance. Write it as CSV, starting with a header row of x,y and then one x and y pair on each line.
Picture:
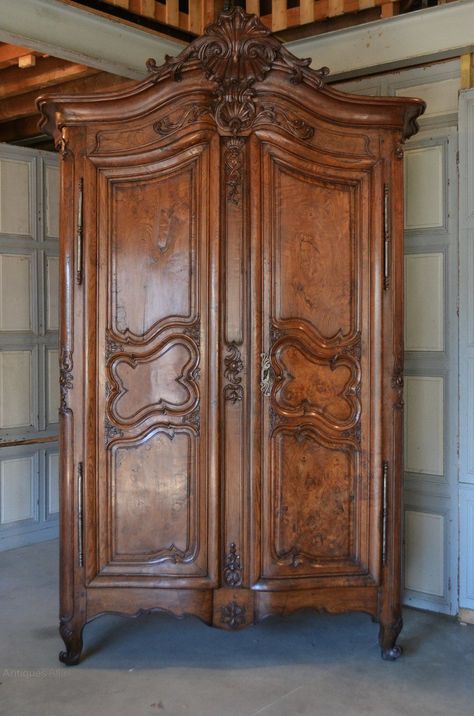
x,y
318,450
155,375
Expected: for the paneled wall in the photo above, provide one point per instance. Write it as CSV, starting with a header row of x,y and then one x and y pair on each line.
x,y
431,333
29,376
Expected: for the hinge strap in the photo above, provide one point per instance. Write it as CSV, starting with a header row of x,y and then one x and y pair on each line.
x,y
386,235
384,511
79,232
80,518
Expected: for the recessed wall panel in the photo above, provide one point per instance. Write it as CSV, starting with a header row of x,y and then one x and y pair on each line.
x,y
52,201
424,432
424,552
15,197
440,97
424,302
424,190
15,292
16,408
17,490
52,293
53,386
53,483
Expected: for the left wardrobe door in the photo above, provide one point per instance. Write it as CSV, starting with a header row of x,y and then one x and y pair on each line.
x,y
150,285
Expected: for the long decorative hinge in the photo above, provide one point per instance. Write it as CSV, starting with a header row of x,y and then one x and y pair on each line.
x,y
384,511
79,232
80,516
386,236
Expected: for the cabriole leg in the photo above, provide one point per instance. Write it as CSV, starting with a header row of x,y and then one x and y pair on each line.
x,y
387,639
71,634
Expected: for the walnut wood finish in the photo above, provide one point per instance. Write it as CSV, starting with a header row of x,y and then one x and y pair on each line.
x,y
231,341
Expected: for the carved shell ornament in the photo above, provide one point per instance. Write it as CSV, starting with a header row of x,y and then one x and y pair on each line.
x,y
236,52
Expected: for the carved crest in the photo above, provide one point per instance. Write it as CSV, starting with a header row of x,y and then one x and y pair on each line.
x,y
235,52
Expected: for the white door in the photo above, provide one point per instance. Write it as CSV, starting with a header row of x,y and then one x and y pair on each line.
x,y
29,376
431,333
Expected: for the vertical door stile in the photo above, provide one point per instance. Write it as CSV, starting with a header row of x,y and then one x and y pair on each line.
x,y
235,360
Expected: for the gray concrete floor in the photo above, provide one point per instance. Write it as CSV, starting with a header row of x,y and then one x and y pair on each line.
x,y
305,665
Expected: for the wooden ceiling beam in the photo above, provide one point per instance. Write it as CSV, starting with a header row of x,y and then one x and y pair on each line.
x,y
48,71
24,105
25,128
10,54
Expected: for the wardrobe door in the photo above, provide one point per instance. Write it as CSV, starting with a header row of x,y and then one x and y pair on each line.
x,y
318,275
151,429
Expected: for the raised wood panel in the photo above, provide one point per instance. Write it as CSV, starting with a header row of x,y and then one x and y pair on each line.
x,y
16,277
52,293
15,196
424,552
52,383
440,97
424,302
424,188
18,490
314,282
51,180
424,425
167,235
52,481
16,389
312,495
162,493
155,383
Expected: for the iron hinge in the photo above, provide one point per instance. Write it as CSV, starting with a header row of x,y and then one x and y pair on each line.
x,y
79,231
80,516
384,511
386,236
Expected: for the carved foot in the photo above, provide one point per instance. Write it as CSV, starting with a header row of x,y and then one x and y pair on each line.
x,y
72,637
392,654
390,651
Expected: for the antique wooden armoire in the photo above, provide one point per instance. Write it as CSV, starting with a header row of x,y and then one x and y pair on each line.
x,y
231,342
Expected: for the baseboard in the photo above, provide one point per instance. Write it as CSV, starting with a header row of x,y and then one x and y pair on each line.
x,y
466,616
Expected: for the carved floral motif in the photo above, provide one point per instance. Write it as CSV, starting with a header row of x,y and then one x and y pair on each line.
x,y
233,615
233,363
233,161
232,567
235,52
65,379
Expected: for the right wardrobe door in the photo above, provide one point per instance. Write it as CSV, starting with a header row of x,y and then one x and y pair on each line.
x,y
317,281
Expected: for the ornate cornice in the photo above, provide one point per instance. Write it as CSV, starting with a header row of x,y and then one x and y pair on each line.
x,y
235,52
